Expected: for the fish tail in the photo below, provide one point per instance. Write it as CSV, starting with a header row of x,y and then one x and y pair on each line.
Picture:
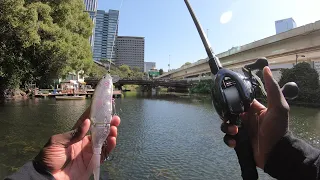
x,y
96,173
95,166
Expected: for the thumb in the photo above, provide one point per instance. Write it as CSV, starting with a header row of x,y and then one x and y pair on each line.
x,y
275,97
73,136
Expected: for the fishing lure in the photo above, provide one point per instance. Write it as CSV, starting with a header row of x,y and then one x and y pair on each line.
x,y
100,116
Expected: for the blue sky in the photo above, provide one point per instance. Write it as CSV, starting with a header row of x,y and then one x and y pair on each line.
x,y
169,30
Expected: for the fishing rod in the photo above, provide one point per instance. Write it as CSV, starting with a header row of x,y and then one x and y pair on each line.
x,y
233,93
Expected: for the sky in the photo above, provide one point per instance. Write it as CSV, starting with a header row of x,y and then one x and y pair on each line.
x,y
170,34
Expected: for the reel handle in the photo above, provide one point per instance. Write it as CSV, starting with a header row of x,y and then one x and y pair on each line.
x,y
290,90
259,64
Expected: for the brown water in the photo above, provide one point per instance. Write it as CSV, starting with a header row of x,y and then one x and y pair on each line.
x,y
159,137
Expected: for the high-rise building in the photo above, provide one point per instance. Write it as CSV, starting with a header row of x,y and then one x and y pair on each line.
x,y
130,51
106,32
91,5
285,25
112,34
91,8
149,65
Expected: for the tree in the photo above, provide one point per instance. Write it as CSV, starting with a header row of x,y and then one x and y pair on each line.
x,y
303,74
186,64
125,71
136,69
307,80
136,73
98,71
203,87
161,71
41,40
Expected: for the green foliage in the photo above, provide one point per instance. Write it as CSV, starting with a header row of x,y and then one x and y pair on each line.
x,y
116,71
309,95
136,73
302,74
203,87
307,80
42,39
161,71
136,69
185,64
123,71
131,87
97,71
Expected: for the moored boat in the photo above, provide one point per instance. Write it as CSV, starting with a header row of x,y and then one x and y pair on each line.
x,y
70,97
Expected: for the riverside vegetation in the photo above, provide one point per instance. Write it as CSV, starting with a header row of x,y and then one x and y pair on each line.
x,y
43,40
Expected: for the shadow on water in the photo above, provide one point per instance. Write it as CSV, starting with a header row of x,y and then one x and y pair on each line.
x,y
26,126
305,124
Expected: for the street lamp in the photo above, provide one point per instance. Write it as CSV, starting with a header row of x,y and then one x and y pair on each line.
x,y
169,63
298,56
207,33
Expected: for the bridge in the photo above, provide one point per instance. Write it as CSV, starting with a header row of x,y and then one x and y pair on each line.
x,y
282,51
150,83
178,85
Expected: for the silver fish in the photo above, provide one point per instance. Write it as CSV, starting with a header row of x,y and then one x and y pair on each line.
x,y
100,116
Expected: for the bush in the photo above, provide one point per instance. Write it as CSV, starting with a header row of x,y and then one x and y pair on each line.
x,y
307,80
302,74
203,87
309,95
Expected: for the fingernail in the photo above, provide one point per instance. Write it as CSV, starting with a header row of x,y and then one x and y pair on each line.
x,y
242,115
269,71
232,143
82,124
232,130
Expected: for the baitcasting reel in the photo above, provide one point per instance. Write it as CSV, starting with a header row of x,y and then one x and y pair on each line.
x,y
233,92
232,95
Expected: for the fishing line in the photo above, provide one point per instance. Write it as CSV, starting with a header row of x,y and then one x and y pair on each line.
x,y
114,37
258,133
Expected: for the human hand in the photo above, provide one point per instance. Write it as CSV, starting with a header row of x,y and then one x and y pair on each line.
x,y
67,156
266,126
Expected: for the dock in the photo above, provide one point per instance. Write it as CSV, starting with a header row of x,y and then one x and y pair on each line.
x,y
116,94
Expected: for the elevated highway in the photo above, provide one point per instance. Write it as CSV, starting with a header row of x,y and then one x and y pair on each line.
x,y
281,50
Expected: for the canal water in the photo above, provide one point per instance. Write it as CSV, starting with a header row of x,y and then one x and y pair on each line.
x,y
159,137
